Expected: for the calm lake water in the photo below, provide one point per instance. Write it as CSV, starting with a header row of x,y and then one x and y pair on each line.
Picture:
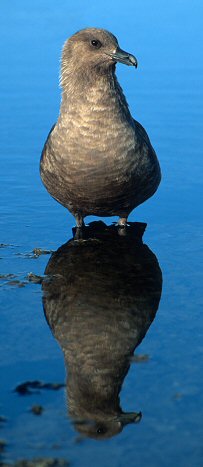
x,y
165,378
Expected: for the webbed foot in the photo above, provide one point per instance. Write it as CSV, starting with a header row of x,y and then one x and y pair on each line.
x,y
122,221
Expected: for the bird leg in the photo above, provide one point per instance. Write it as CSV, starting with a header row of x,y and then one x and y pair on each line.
x,y
78,233
79,219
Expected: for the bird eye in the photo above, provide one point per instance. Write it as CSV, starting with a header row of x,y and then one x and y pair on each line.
x,y
96,44
101,430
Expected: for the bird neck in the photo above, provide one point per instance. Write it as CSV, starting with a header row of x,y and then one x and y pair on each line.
x,y
93,91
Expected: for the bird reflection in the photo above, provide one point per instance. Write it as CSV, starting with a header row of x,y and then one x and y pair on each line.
x,y
100,295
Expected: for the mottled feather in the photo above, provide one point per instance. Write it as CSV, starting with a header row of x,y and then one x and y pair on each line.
x,y
97,160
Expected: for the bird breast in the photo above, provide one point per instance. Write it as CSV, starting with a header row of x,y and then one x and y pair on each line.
x,y
91,133
95,159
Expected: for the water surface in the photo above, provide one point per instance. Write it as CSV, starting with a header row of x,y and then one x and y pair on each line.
x,y
165,95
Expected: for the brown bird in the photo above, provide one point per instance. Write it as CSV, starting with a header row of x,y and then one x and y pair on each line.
x,y
97,160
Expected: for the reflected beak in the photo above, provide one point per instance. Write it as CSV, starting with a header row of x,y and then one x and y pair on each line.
x,y
130,417
124,57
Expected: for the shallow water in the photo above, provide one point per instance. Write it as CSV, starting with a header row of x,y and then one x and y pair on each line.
x,y
165,95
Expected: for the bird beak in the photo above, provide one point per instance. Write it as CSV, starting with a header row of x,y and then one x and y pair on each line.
x,y
124,57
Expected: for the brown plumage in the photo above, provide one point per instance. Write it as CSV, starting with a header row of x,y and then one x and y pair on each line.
x,y
97,159
100,297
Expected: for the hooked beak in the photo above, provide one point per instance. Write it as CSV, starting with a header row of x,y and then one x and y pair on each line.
x,y
124,57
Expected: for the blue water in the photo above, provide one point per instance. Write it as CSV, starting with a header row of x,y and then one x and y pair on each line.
x,y
165,95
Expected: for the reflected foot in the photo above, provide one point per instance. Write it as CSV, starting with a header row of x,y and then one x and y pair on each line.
x,y
122,231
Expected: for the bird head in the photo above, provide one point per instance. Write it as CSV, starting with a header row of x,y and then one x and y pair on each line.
x,y
91,49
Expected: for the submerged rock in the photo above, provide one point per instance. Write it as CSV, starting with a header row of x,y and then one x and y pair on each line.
x,y
3,445
37,409
47,462
30,387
